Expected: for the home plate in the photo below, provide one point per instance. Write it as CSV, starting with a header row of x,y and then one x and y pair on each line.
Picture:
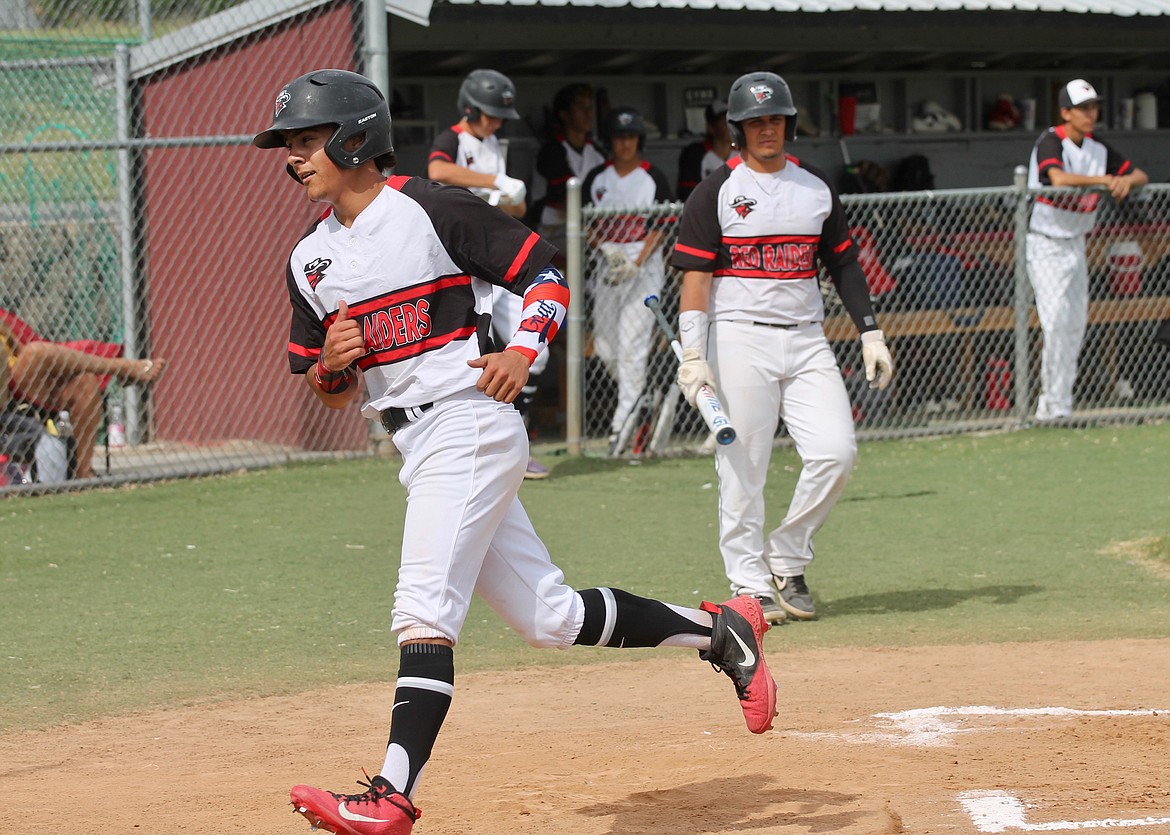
x,y
998,811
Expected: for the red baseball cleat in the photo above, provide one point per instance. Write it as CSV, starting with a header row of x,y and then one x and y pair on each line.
x,y
380,810
737,649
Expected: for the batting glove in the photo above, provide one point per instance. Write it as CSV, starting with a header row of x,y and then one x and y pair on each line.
x,y
693,374
512,191
879,365
618,267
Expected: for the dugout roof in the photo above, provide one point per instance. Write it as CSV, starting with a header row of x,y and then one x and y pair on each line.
x,y
448,38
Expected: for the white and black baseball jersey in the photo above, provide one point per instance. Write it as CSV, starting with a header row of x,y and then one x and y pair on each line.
x,y
416,270
1072,215
557,162
696,162
760,236
465,149
644,186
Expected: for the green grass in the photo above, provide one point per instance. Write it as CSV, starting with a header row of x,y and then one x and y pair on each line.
x,y
275,581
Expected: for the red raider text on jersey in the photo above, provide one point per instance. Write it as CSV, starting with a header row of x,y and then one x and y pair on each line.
x,y
416,270
760,236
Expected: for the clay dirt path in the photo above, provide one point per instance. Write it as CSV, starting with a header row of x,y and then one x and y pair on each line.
x,y
655,748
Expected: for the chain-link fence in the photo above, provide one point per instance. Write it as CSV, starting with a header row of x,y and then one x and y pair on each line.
x,y
143,306
142,242
948,276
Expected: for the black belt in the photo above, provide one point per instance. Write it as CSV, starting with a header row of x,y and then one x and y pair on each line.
x,y
396,418
793,326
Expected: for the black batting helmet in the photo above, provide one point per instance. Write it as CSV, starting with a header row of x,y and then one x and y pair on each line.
x,y
490,92
625,121
759,94
334,97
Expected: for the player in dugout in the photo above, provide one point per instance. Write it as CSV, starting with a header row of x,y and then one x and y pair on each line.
x,y
470,154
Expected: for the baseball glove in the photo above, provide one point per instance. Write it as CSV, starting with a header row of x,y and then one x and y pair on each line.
x,y
618,267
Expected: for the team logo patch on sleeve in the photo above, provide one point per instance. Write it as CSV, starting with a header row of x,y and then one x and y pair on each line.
x,y
743,205
315,271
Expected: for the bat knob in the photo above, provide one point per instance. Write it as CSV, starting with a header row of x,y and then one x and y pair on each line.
x,y
725,436
650,300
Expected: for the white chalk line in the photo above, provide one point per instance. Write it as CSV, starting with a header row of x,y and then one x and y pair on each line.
x,y
928,727
999,811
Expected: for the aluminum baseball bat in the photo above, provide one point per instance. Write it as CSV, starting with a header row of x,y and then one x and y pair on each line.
x,y
706,401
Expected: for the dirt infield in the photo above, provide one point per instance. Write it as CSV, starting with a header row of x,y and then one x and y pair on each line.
x,y
1019,737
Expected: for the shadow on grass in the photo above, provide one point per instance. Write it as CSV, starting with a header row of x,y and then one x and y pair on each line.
x,y
869,497
582,465
923,600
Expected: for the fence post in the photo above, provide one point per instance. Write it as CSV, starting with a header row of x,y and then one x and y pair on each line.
x,y
375,47
131,327
574,260
1022,298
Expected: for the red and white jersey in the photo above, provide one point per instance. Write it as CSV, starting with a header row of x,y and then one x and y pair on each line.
x,y
419,284
760,236
465,149
557,162
644,186
1059,216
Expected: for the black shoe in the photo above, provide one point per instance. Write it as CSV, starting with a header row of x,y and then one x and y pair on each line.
x,y
773,612
795,597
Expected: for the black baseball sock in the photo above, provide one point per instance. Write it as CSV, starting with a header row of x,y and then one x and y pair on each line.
x,y
426,682
616,618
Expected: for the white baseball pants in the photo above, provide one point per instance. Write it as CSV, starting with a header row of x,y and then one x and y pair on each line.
x,y
467,533
1060,280
623,330
764,374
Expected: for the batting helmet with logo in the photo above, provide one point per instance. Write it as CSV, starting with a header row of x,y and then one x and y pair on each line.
x,y
624,121
490,92
334,97
759,94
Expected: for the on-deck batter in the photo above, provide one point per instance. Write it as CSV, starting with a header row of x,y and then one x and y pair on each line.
x,y
750,318
391,287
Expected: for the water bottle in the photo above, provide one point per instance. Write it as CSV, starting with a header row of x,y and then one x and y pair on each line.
x,y
116,436
65,433
64,425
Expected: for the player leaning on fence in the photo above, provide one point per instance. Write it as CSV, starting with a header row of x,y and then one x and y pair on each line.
x,y
632,266
391,292
1068,155
750,322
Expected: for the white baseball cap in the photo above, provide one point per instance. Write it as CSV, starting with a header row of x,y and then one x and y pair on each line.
x,y
1078,92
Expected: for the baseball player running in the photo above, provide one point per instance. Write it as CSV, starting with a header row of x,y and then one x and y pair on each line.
x,y
632,264
750,318
390,292
469,154
1068,155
